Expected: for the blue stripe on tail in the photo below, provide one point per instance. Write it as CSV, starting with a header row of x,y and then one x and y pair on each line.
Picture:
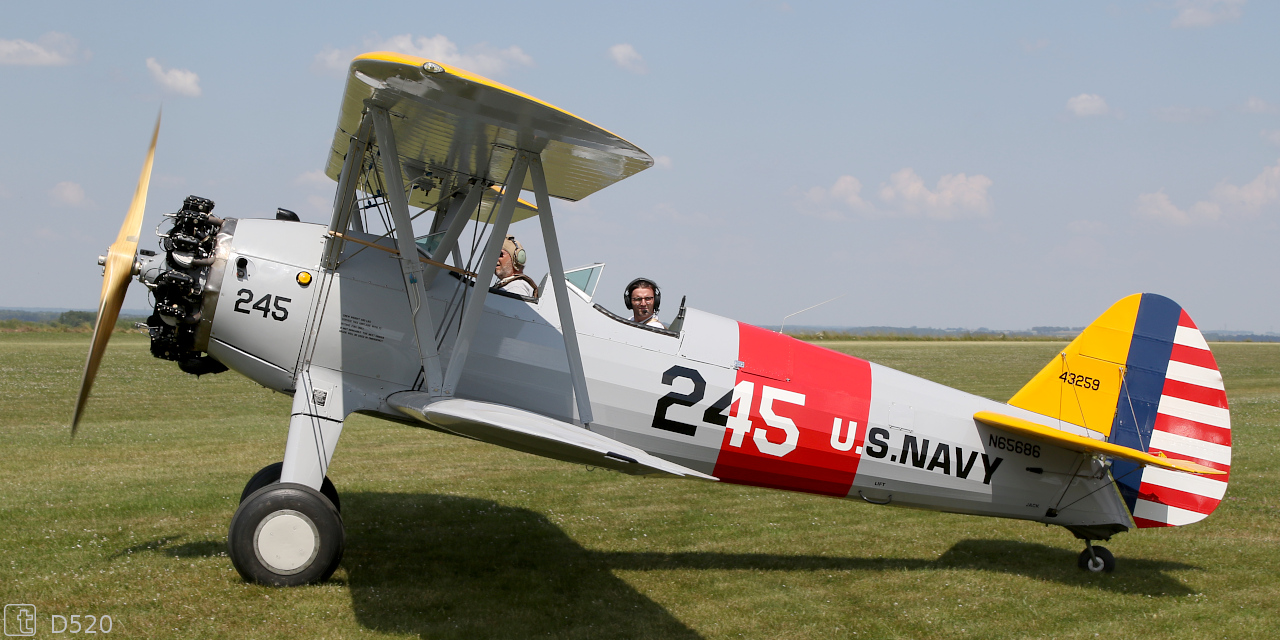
x,y
1148,362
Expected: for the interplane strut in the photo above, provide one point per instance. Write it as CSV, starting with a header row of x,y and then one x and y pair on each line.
x,y
442,381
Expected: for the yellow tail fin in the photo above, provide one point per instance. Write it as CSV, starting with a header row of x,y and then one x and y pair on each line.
x,y
1082,385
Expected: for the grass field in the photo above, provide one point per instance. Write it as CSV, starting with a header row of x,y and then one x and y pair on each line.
x,y
448,538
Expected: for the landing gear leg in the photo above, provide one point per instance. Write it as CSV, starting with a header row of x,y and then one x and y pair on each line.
x,y
1096,559
288,530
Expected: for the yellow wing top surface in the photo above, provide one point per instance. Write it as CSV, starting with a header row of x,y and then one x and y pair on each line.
x,y
1082,444
456,125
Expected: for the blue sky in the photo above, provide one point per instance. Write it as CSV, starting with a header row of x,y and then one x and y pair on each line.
x,y
943,164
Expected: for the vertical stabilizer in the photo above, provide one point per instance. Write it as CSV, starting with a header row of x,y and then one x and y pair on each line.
x,y
1142,376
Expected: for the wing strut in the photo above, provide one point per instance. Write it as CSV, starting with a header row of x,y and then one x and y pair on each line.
x,y
345,198
414,283
530,162
458,216
474,306
562,294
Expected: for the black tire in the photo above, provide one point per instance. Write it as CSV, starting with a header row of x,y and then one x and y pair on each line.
x,y
270,474
1100,562
286,535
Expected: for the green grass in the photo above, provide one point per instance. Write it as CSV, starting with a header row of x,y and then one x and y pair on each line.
x,y
448,538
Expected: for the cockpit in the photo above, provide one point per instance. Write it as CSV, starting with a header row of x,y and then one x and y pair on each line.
x,y
582,281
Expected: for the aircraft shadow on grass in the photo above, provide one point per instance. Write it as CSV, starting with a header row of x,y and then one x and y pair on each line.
x,y
441,565
449,566
168,546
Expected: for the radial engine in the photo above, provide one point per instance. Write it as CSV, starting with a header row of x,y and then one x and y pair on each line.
x,y
184,284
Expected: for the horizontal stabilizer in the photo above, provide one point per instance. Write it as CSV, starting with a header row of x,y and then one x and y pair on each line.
x,y
1086,445
532,433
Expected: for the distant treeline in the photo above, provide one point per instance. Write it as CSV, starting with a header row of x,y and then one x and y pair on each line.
x,y
1236,336
16,321
983,334
961,336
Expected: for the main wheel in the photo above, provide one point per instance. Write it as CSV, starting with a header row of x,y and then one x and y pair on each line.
x,y
1101,560
270,474
286,535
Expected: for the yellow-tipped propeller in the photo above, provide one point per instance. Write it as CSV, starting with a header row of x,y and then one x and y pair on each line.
x,y
118,268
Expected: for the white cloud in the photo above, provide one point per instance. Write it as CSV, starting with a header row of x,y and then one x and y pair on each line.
x,y
313,178
52,49
1184,114
1262,191
1272,136
662,162
1205,13
956,195
1088,104
1226,199
318,206
69,194
1157,206
481,58
905,194
626,57
334,60
1258,105
848,191
844,195
179,81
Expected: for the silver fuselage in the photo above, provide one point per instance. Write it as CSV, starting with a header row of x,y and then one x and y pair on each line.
x,y
897,439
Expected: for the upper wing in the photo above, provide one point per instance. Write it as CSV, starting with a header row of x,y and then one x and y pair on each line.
x,y
1087,445
451,122
532,433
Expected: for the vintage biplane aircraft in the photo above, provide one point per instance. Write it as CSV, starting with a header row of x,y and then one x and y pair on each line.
x,y
1128,427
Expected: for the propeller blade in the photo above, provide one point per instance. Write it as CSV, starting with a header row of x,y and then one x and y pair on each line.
x,y
117,270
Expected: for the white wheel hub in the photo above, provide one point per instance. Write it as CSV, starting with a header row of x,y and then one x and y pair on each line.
x,y
286,542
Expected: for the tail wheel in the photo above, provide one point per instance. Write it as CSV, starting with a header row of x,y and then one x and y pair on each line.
x,y
1099,561
286,535
270,474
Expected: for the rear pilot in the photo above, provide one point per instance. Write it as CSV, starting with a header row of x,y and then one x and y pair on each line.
x,y
643,297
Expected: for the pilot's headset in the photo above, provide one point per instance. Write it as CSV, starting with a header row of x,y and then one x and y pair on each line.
x,y
657,293
516,251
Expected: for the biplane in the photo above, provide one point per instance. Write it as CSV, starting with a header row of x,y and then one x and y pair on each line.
x,y
388,311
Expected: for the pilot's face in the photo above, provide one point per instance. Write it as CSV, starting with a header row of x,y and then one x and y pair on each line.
x,y
641,303
504,268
